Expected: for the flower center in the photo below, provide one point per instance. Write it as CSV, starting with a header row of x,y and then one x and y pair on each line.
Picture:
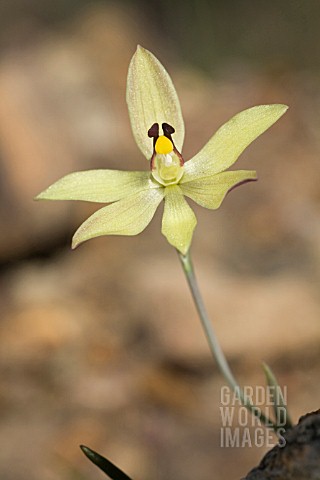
x,y
167,169
166,162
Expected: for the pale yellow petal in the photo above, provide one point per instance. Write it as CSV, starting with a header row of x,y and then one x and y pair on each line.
x,y
152,98
209,192
224,148
128,216
98,186
179,221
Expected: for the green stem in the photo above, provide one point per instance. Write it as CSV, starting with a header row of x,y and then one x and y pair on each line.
x,y
214,343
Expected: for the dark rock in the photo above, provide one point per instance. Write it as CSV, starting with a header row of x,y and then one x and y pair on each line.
x,y
298,459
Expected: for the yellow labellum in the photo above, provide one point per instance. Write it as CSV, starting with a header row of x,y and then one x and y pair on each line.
x,y
163,145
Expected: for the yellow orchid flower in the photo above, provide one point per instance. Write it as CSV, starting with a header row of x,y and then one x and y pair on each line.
x,y
134,196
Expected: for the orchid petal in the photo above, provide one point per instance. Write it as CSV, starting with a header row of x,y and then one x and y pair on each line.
x,y
209,192
224,148
98,186
129,216
178,220
151,98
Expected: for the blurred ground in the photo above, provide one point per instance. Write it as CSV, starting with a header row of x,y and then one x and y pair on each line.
x,y
102,345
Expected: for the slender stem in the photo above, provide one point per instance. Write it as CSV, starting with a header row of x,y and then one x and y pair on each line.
x,y
214,343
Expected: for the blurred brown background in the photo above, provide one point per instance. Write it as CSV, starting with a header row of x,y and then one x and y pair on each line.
x,y
102,345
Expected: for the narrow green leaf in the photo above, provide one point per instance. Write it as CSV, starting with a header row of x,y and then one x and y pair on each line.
x,y
105,465
282,417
